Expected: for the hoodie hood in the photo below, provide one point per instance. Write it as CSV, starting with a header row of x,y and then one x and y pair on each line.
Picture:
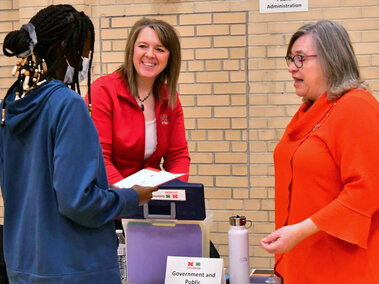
x,y
22,113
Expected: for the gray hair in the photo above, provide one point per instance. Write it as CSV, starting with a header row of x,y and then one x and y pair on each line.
x,y
336,55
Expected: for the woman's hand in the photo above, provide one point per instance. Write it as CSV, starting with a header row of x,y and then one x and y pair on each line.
x,y
287,237
145,193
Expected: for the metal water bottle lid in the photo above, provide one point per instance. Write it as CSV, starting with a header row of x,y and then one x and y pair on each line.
x,y
237,220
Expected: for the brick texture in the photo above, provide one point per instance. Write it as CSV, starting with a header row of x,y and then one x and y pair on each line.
x,y
234,86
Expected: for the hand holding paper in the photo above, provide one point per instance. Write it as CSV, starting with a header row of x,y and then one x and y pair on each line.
x,y
146,181
145,193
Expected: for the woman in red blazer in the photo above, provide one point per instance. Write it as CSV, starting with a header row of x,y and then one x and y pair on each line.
x,y
137,110
326,181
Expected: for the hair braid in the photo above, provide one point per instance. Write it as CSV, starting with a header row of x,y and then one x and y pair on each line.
x,y
60,30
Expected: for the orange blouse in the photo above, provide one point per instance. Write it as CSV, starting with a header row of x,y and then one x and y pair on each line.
x,y
327,168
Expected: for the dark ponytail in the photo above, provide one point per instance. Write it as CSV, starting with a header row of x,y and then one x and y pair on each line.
x,y
16,42
59,30
55,25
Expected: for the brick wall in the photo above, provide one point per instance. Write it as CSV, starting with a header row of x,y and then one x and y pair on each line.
x,y
234,86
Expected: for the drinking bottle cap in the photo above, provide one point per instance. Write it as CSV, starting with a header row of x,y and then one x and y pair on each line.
x,y
237,220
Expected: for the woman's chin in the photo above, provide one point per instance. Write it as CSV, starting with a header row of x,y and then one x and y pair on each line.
x,y
300,94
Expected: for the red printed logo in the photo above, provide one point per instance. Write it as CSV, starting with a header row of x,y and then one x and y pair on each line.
x,y
194,266
164,119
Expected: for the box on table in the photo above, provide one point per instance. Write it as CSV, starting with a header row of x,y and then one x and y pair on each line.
x,y
149,242
192,208
166,228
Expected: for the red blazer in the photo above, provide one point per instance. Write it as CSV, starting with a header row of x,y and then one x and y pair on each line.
x,y
121,126
326,168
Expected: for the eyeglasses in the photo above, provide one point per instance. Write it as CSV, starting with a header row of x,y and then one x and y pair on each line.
x,y
298,59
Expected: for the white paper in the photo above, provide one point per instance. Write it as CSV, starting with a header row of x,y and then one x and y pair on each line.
x,y
147,177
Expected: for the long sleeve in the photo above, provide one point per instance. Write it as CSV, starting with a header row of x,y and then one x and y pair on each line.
x,y
177,158
121,126
102,116
355,140
79,177
325,169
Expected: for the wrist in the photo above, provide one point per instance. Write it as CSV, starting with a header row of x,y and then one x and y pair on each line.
x,y
308,228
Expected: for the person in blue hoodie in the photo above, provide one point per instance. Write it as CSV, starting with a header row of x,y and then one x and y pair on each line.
x,y
59,211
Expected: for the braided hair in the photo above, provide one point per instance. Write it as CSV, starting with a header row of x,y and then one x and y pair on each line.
x,y
60,30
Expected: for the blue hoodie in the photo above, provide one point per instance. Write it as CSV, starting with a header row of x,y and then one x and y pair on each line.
x,y
59,212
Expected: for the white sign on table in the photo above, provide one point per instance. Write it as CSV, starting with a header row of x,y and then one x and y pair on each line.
x,y
194,270
278,6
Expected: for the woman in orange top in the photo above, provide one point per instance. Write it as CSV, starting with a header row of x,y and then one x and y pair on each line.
x,y
326,181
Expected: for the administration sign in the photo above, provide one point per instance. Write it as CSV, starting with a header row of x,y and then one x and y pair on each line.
x,y
277,6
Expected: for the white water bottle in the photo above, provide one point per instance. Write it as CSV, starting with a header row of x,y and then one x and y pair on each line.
x,y
239,269
121,253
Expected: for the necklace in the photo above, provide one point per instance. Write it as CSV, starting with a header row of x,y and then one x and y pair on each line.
x,y
142,101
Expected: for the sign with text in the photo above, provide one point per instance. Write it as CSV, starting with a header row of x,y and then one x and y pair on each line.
x,y
277,6
194,270
169,194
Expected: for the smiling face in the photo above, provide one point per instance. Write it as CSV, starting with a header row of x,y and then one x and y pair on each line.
x,y
150,57
309,80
